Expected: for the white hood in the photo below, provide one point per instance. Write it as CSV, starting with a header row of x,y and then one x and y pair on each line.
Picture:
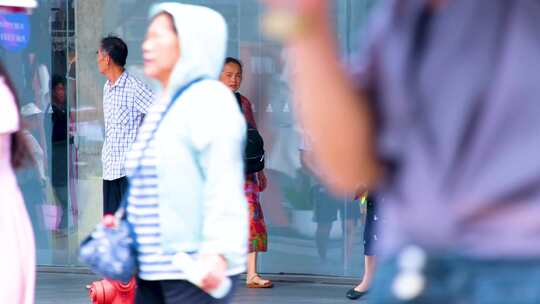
x,y
202,35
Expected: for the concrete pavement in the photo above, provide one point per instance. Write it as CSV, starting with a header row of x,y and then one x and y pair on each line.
x,y
69,288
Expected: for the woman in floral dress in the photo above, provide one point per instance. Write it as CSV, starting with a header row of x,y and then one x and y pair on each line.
x,y
231,76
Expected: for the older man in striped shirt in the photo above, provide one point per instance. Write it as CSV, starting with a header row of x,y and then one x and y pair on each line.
x,y
126,100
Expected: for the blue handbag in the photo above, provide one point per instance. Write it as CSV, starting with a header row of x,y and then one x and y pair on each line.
x,y
111,251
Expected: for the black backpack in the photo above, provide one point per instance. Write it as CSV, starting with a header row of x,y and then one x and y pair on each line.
x,y
254,151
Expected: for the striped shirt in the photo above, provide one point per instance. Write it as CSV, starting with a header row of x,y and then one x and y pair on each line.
x,y
124,104
143,212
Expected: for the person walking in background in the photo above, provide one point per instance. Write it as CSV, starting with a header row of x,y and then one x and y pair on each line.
x,y
18,256
56,122
370,240
126,100
36,89
441,117
185,169
32,179
325,208
231,76
31,118
37,75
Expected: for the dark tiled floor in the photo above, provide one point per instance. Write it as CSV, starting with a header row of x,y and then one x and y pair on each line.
x,y
55,288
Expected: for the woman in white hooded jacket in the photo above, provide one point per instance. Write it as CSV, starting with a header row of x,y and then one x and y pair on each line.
x,y
185,169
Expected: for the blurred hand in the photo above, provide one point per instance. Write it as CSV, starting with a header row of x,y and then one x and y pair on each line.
x,y
262,181
109,221
291,20
218,267
306,7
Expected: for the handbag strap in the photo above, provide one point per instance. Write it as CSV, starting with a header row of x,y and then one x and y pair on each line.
x,y
121,212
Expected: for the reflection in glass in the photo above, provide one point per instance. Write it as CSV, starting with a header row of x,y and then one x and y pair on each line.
x,y
32,179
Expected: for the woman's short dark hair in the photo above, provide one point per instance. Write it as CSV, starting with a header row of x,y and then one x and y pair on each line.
x,y
56,80
235,61
116,48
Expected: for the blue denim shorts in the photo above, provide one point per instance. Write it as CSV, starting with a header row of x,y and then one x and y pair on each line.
x,y
457,280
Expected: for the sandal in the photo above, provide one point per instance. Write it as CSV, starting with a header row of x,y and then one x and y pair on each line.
x,y
261,283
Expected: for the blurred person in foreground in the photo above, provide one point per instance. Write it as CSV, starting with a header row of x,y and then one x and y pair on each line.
x,y
18,256
231,76
322,199
327,207
370,242
441,117
185,169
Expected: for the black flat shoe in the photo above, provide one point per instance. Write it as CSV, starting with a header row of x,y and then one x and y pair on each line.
x,y
355,295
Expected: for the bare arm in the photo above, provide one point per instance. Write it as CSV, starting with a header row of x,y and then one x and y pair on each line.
x,y
337,116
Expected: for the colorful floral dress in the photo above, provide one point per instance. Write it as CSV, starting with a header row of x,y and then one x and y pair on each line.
x,y
258,238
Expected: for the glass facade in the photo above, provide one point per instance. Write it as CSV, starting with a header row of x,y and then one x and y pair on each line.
x,y
60,91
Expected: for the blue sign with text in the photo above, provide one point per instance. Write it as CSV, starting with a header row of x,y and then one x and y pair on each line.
x,y
14,31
